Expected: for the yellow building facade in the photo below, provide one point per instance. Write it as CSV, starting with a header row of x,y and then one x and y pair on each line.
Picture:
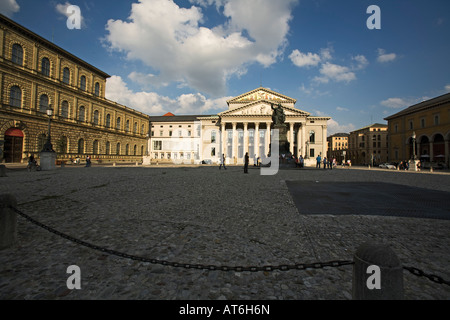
x,y
338,147
369,145
36,75
430,122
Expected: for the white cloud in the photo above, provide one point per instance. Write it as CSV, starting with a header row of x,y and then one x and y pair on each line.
x,y
336,73
154,104
172,40
395,103
447,88
361,61
340,109
335,127
9,7
304,59
384,57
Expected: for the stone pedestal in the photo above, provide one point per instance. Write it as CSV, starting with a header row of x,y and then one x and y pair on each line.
x,y
48,160
147,161
413,165
283,144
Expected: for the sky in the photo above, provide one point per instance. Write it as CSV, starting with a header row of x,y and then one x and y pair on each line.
x,y
191,56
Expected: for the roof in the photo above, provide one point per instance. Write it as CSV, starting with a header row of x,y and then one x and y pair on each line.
x,y
375,125
189,118
239,99
340,135
33,36
428,104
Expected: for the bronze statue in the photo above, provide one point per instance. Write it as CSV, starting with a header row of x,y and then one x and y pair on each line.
x,y
278,116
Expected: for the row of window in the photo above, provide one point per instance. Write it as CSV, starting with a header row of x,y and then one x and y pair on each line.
x,y
17,58
423,123
16,101
61,146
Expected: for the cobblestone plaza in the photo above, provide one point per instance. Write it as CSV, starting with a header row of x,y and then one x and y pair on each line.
x,y
200,215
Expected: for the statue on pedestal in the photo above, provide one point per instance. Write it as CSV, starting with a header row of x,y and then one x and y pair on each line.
x,y
278,116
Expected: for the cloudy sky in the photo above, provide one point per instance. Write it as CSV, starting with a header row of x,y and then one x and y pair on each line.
x,y
190,56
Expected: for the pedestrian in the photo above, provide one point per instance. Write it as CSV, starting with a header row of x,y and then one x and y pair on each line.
x,y
325,163
318,159
247,158
255,161
302,161
88,161
222,163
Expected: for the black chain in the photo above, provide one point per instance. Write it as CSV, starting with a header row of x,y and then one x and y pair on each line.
x,y
300,266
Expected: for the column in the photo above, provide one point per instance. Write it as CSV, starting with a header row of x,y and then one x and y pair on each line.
x,y
224,139
300,143
268,138
246,142
256,143
304,140
235,144
431,152
291,138
2,39
324,141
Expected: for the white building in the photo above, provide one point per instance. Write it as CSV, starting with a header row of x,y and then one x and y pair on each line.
x,y
245,127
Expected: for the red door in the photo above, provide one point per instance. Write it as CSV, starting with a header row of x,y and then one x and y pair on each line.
x,y
13,147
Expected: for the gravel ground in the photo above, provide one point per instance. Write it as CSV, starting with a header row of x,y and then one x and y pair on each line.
x,y
202,215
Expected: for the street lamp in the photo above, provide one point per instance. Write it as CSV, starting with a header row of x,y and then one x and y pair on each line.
x,y
48,144
414,145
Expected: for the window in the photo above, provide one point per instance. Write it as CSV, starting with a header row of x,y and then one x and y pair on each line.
x,y
42,139
82,114
127,126
127,149
213,152
96,117
396,128
422,122
108,120
157,145
411,125
135,129
45,67
213,137
170,133
65,110
161,133
62,144
83,83
118,124
95,147
17,54
15,97
135,150
108,148
118,149
97,89
311,153
143,129
43,103
66,76
81,146
436,120
312,137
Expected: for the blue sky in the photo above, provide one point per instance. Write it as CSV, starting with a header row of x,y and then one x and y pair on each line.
x,y
190,56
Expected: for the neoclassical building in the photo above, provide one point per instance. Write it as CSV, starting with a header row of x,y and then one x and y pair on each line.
x,y
245,127
36,75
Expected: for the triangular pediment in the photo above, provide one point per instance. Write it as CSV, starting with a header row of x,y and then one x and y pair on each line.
x,y
262,94
261,108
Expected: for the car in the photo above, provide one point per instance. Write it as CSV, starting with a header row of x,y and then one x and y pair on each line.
x,y
387,166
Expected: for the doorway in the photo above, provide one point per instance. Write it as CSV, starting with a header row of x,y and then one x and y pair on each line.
x,y
13,148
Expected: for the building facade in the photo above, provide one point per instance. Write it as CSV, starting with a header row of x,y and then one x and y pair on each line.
x,y
245,127
369,145
36,75
430,122
338,147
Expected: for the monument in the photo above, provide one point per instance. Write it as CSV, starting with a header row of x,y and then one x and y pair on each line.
x,y
278,119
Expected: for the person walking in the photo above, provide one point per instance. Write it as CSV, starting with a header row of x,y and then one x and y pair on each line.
x,y
247,158
318,159
222,163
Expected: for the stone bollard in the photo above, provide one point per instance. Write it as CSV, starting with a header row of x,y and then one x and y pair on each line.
x,y
8,221
431,169
377,273
114,164
137,164
2,171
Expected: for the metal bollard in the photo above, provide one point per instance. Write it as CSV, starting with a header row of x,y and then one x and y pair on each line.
x,y
377,273
8,221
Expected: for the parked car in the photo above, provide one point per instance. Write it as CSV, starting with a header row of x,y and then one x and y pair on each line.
x,y
387,166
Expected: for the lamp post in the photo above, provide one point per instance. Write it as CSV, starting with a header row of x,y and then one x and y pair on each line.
x,y
413,162
48,144
414,145
48,155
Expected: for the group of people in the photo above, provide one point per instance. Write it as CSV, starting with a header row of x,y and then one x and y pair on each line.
x,y
327,163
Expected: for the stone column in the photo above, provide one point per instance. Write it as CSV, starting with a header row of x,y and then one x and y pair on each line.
x,y
431,152
304,140
256,142
2,39
324,141
268,138
300,143
291,138
224,139
235,143
246,142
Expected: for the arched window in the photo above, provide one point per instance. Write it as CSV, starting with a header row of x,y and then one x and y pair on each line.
x,y
135,150
43,103
95,149
108,148
62,144
17,54
118,124
66,76
81,146
45,67
135,129
127,126
15,97
97,89
65,110
118,149
143,129
82,114
127,149
142,150
42,139
83,83
96,117
108,121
